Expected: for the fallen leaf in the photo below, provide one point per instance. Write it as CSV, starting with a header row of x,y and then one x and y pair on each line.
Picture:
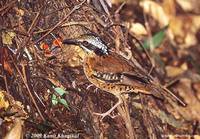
x,y
44,46
57,42
119,1
73,56
7,67
191,111
4,104
156,11
16,108
186,5
197,89
138,29
5,60
169,7
7,37
182,28
172,71
16,130
20,12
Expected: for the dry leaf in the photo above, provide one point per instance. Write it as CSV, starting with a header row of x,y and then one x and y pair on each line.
x,y
156,11
191,111
118,1
7,37
57,42
16,108
138,29
173,71
16,130
4,60
4,104
73,56
182,28
197,89
169,7
187,5
7,67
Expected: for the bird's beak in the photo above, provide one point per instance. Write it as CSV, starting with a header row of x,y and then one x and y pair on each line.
x,y
75,42
70,42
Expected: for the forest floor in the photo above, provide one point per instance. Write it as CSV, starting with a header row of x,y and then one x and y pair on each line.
x,y
44,92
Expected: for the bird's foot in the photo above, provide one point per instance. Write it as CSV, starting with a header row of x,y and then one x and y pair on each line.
x,y
108,113
103,115
89,86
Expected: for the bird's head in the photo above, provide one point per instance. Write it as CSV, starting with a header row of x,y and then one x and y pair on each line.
x,y
90,43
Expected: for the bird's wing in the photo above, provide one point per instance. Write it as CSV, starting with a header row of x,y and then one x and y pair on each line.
x,y
110,64
116,69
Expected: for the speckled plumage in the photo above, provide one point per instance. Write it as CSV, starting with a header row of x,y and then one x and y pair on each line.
x,y
108,73
113,73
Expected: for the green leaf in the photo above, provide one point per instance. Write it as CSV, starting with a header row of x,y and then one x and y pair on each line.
x,y
156,39
54,100
60,91
64,102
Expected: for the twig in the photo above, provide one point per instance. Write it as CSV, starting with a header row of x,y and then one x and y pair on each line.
x,y
76,23
57,10
5,8
104,7
25,78
27,87
64,25
30,31
120,7
60,22
6,84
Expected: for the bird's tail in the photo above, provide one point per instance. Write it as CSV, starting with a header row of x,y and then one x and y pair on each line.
x,y
162,92
173,95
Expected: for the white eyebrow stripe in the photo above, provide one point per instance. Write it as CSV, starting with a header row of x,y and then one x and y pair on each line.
x,y
97,42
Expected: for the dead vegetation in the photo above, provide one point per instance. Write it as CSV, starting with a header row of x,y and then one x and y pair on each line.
x,y
43,89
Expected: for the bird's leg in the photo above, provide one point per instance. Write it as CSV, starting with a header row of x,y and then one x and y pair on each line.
x,y
103,115
89,86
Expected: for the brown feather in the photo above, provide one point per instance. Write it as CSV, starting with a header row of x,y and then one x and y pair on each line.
x,y
131,78
110,63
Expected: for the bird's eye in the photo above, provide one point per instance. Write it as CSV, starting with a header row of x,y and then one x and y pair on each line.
x,y
85,43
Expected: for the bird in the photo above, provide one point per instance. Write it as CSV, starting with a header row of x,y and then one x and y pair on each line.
x,y
113,73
